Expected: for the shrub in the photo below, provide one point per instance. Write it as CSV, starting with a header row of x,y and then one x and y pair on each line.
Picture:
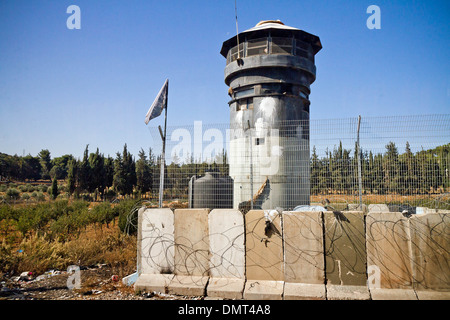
x,y
40,196
103,213
12,193
127,211
110,194
25,196
8,260
87,197
41,255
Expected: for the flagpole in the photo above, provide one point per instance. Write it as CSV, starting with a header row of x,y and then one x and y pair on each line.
x,y
163,156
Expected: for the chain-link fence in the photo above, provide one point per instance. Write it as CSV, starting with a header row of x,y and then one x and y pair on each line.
x,y
400,161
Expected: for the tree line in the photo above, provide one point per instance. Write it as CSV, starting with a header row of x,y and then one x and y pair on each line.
x,y
425,171
94,173
105,176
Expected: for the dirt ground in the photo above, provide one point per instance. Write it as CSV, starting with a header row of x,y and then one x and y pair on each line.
x,y
96,284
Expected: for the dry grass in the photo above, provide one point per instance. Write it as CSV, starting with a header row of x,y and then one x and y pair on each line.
x,y
105,245
376,198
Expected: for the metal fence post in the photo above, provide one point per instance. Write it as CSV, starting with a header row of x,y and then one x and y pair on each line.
x,y
359,164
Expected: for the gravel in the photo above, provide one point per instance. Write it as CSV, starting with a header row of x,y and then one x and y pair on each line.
x,y
96,284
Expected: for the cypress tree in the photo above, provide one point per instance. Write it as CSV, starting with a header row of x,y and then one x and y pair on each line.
x,y
315,188
84,171
71,179
119,176
124,172
391,168
97,172
54,192
143,173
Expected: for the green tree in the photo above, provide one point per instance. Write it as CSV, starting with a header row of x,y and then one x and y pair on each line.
x,y
119,175
33,168
54,192
57,172
45,160
143,173
408,171
391,168
71,176
84,171
62,166
315,172
129,168
109,171
97,173
124,172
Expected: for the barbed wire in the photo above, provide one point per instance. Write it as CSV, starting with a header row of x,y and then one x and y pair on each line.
x,y
401,249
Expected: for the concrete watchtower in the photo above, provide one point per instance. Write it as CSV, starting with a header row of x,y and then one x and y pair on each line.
x,y
269,70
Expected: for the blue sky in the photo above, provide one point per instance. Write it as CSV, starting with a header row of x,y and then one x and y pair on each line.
x,y
62,89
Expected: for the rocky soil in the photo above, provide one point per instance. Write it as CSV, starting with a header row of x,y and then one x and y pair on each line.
x,y
97,283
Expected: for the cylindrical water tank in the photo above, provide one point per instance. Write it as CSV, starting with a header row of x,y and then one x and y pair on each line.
x,y
211,191
269,70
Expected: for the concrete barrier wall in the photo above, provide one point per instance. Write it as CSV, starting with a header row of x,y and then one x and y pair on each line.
x,y
303,247
227,248
304,263
264,256
155,241
430,241
155,250
294,255
227,254
191,235
263,247
345,248
389,250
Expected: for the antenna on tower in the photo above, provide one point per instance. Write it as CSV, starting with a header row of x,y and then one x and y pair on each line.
x,y
237,31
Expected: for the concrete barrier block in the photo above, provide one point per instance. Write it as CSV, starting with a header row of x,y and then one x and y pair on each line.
x,y
345,248
263,247
188,285
303,247
304,291
430,239
153,282
344,292
263,290
155,241
226,288
338,206
432,295
226,241
392,294
191,242
358,207
378,207
388,251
